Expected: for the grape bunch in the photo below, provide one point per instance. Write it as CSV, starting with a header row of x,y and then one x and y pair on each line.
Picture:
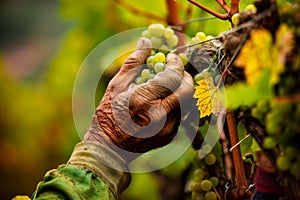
x,y
283,132
205,176
154,64
163,40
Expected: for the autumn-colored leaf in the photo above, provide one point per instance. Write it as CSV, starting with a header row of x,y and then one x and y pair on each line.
x,y
206,93
260,52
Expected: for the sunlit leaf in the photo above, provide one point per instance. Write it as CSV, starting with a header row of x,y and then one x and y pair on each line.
x,y
206,93
260,52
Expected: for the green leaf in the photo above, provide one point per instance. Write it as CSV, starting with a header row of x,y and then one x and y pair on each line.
x,y
242,94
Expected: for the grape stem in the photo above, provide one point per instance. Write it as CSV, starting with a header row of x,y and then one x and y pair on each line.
x,y
217,193
223,4
237,144
208,10
194,44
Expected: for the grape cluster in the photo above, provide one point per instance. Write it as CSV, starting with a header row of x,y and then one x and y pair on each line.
x,y
283,132
205,180
154,64
208,63
163,40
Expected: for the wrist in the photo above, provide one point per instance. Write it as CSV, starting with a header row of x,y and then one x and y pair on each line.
x,y
104,162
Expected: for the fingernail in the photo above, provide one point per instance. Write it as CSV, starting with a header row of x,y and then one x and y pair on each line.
x,y
140,44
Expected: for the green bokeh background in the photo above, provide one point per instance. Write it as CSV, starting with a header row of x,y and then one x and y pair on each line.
x,y
42,45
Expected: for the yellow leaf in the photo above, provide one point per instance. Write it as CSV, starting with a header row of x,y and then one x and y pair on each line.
x,y
206,93
255,55
260,52
21,197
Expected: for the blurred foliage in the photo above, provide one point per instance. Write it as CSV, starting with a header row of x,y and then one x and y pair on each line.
x,y
37,128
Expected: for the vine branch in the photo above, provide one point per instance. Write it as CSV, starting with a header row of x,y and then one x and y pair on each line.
x,y
234,7
236,152
137,11
216,14
223,4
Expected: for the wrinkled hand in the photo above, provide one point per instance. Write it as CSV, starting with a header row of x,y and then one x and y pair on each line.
x,y
139,118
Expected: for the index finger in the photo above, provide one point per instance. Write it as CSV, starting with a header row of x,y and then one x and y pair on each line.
x,y
132,66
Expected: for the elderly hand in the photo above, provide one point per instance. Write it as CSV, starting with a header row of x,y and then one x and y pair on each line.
x,y
138,118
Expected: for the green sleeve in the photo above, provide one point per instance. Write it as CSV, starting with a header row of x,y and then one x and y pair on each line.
x,y
85,176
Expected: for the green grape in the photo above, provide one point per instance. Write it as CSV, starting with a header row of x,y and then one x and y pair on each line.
x,y
255,112
251,8
159,67
157,30
210,195
199,173
206,148
201,36
217,78
295,170
290,152
150,61
172,41
146,34
201,154
269,143
206,185
235,18
210,159
164,49
160,57
198,77
214,180
151,76
209,37
196,186
283,163
197,196
272,123
156,41
262,105
195,40
169,33
139,80
145,73
183,58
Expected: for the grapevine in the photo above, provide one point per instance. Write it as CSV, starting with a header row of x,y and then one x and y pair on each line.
x,y
257,61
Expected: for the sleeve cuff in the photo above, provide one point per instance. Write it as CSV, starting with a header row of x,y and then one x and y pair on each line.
x,y
104,162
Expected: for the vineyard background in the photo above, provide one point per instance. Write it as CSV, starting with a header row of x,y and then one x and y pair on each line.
x,y
42,46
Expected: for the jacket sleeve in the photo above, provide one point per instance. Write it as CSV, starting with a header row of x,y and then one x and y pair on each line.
x,y
87,175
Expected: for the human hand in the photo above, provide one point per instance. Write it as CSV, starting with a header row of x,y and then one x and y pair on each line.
x,y
138,118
